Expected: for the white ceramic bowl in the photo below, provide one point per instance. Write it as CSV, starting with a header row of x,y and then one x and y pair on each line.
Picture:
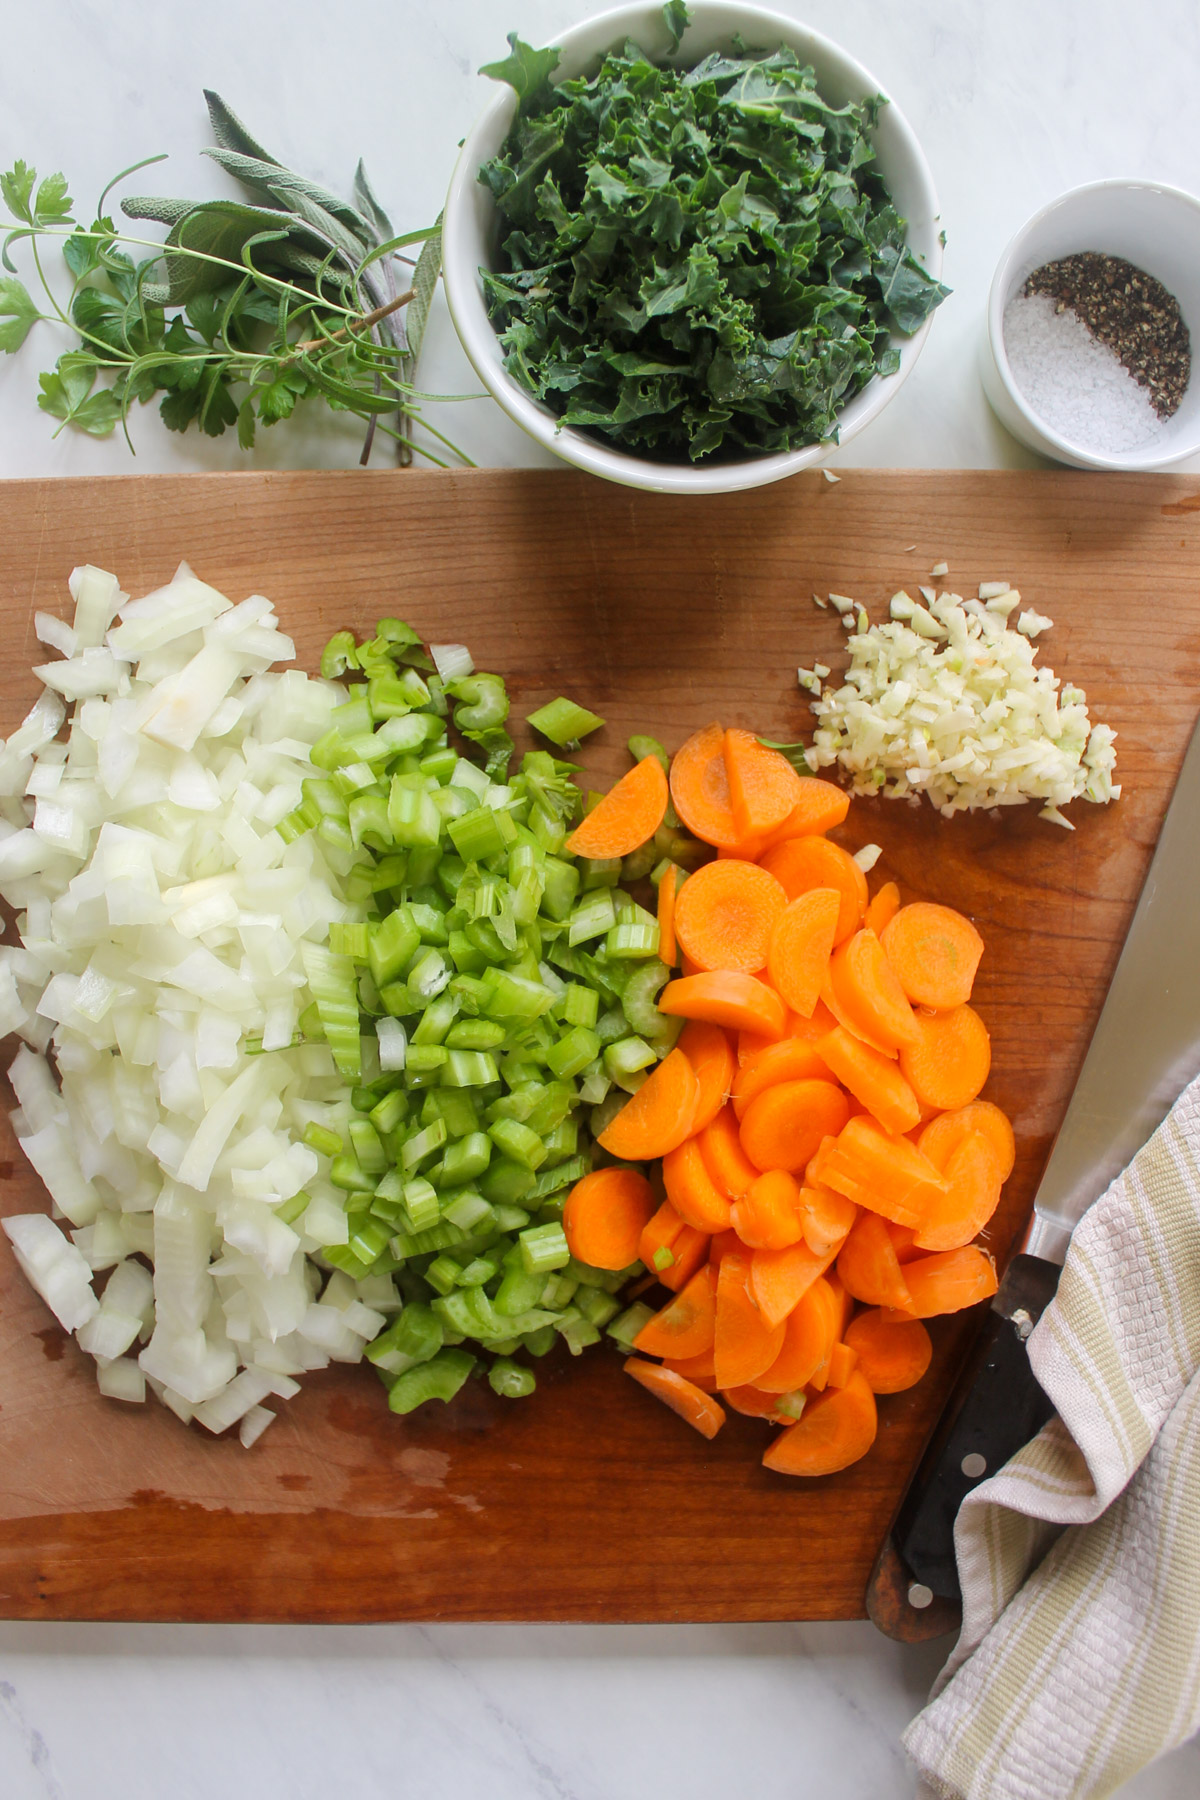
x,y
1158,229
470,234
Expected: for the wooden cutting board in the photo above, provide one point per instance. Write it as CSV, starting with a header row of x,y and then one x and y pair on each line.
x,y
590,1501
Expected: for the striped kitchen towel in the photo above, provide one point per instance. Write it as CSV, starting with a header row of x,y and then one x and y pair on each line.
x,y
1079,1659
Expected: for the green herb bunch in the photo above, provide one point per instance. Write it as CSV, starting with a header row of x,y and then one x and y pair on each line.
x,y
248,307
696,261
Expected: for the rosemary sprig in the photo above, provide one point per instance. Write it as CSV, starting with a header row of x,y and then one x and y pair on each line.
x,y
246,309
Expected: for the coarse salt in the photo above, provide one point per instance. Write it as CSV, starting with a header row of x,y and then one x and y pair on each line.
x,y
1073,382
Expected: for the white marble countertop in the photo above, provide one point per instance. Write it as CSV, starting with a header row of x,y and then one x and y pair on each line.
x,y
1013,102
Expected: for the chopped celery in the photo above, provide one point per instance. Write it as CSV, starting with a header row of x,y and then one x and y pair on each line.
x,y
564,722
518,1142
510,1380
625,1327
439,1379
544,1247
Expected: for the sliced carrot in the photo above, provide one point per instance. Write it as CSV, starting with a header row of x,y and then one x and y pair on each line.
x,y
726,913
813,1029
935,953
714,1065
685,1325
726,1243
887,1175
833,1008
699,1369
950,1060
668,950
767,1216
783,1126
688,1252
948,1282
779,1279
872,1078
692,1190
800,948
942,1135
818,809
882,908
724,1158
744,1345
791,1059
629,814
833,1431
661,1113
700,788
893,1354
687,966
803,863
605,1215
726,997
808,1338
699,1409
659,1233
844,1299
752,1044
826,1218
903,1241
868,1265
754,1403
868,992
763,786
974,1177
843,1360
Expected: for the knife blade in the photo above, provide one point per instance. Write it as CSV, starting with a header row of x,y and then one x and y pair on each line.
x,y
1143,1052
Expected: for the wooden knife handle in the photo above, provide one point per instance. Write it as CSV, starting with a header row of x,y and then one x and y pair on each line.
x,y
996,1407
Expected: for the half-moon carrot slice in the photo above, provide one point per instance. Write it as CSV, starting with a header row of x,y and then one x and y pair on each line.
x,y
949,1281
801,945
767,1216
724,1158
818,809
950,1060
699,1409
887,1175
605,1215
744,1344
700,788
808,1338
699,1369
660,1114
882,909
726,997
974,1176
892,1354
827,1218
869,995
935,953
803,863
834,1430
726,1243
685,1325
872,1078
779,1279
659,1233
689,1250
843,1360
763,786
868,1265
942,1135
791,1059
831,1006
784,1125
754,1403
668,949
629,814
726,914
708,1049
692,1191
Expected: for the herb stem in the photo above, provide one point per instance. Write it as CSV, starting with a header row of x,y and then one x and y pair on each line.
x,y
363,322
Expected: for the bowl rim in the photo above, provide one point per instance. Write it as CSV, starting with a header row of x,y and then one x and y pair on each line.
x,y
475,330
997,301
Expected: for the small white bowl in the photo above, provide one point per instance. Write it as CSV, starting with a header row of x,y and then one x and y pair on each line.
x,y
1154,227
470,235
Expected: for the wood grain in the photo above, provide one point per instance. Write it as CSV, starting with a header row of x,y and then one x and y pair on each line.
x,y
588,1502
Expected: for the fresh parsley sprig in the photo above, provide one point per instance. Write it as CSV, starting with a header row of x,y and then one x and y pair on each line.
x,y
245,310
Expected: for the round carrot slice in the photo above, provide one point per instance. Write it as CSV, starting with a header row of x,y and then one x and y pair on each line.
x,y
834,1430
767,1216
660,1114
700,788
950,1060
784,1125
801,945
754,1403
726,913
892,1354
629,814
942,1135
800,864
935,952
605,1215
699,1409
